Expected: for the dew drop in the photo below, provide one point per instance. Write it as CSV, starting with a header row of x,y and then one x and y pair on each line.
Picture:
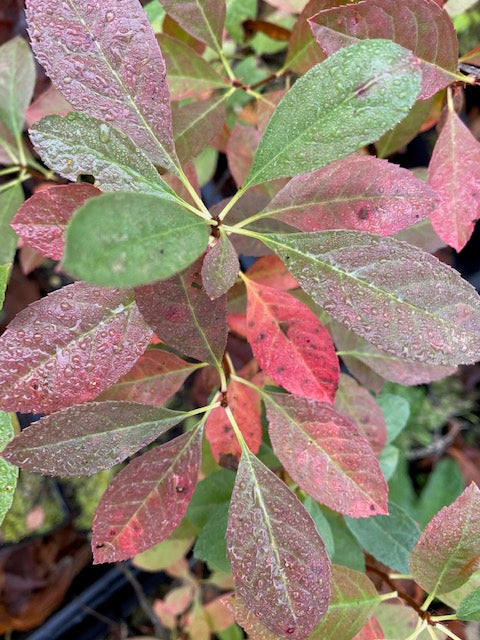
x,y
110,16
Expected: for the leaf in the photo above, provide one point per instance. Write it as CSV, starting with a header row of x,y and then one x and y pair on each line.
x,y
448,550
241,147
10,201
326,455
271,272
290,344
160,484
389,538
106,62
141,239
388,460
8,473
155,377
357,192
379,83
214,490
246,408
17,81
66,348
321,523
347,550
79,145
220,268
303,51
443,486
210,545
203,19
396,411
371,631
406,130
400,621
166,553
418,308
42,220
181,314
356,404
189,74
469,608
418,25
4,275
279,563
50,102
454,174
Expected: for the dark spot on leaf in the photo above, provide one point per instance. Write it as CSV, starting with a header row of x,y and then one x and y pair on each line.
x,y
99,545
261,336
280,369
284,327
290,630
363,213
195,285
372,507
251,323
180,489
113,532
228,461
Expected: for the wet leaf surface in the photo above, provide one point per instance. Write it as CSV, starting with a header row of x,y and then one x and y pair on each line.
x,y
8,473
17,81
203,19
220,268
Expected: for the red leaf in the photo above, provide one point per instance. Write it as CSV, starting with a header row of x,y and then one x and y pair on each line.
x,y
96,54
418,25
326,455
356,404
237,322
68,347
271,272
356,192
153,379
49,102
220,268
181,314
246,408
42,220
241,147
147,500
371,631
454,173
203,19
279,563
290,343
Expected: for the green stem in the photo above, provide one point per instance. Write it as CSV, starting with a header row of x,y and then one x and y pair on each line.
x,y
447,632
223,379
451,616
232,202
428,601
10,185
247,383
208,408
21,150
244,223
388,596
226,64
237,431
421,626
8,170
432,633
392,576
202,210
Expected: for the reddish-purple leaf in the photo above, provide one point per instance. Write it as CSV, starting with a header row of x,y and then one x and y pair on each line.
x,y
454,173
203,19
50,102
147,500
105,60
42,220
241,147
448,550
153,379
271,272
220,268
246,408
267,106
279,563
355,403
290,343
356,192
371,631
182,315
326,455
419,25
423,236
66,348
84,439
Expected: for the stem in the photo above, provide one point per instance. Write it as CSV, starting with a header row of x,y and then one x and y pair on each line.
x,y
236,429
202,210
428,601
254,218
447,632
226,64
242,232
432,633
451,616
247,383
7,170
388,596
21,150
393,576
208,408
450,100
11,184
421,626
231,203
223,380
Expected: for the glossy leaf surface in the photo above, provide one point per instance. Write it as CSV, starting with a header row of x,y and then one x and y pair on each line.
x,y
279,563
203,19
448,550
17,81
42,220
357,192
182,314
84,439
161,483
69,346
10,201
290,343
326,455
418,308
220,268
454,173
8,473
127,239
418,25
77,145
106,62
380,82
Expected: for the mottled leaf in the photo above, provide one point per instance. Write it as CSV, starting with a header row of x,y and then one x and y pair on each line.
x,y
220,268
371,631
42,220
418,25
4,273
182,314
271,272
448,551
160,484
8,473
84,439
279,563
105,60
357,192
405,131
379,83
66,348
153,379
17,81
10,201
326,455
454,173
469,608
77,144
203,19
127,239
290,343
418,308
356,404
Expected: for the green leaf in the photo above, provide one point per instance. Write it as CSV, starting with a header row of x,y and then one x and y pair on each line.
x,y
388,460
347,550
210,545
8,473
469,608
17,80
166,553
237,12
127,239
4,275
10,201
405,130
321,523
214,490
155,14
396,411
340,105
444,485
389,539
